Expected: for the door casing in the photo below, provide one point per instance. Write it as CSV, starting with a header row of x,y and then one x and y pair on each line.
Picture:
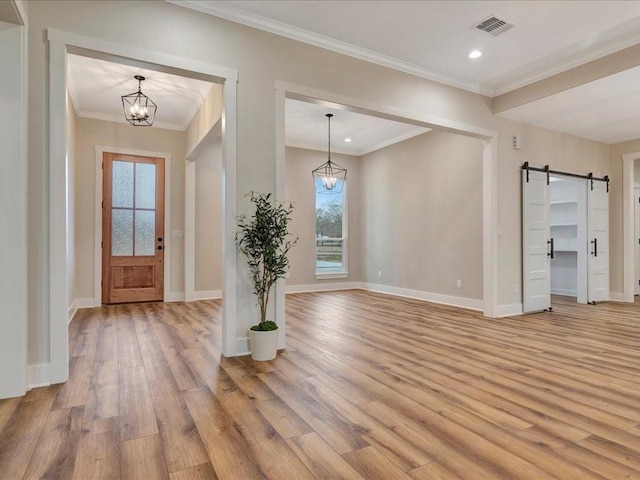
x,y
150,264
100,150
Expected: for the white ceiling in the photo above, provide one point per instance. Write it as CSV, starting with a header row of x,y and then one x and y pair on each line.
x,y
432,39
96,86
427,38
606,110
306,127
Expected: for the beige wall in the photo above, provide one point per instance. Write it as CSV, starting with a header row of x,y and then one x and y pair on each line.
x,y
422,215
208,216
300,191
205,118
92,133
262,59
540,147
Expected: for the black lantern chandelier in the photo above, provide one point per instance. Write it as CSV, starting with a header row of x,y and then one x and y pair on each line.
x,y
329,177
139,110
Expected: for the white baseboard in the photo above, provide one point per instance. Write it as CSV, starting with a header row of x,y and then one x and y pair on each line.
x,y
87,302
616,297
38,376
78,303
242,346
566,293
174,297
207,295
322,287
461,302
509,310
71,311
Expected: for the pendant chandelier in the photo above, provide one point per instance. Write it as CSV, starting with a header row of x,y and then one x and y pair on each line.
x,y
329,177
139,110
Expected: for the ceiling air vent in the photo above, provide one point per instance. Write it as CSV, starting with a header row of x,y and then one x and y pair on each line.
x,y
494,26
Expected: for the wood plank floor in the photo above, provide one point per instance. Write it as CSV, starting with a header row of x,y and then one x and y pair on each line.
x,y
369,387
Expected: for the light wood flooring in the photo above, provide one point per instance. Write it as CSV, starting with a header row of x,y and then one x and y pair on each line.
x,y
369,387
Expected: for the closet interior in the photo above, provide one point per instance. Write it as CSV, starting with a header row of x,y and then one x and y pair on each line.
x,y
568,224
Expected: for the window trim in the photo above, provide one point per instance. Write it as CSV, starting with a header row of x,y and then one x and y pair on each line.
x,y
335,273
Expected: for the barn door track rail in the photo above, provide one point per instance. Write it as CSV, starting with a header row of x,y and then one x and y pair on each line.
x,y
548,171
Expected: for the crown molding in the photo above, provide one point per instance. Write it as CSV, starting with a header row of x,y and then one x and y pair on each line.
x,y
119,119
227,12
359,153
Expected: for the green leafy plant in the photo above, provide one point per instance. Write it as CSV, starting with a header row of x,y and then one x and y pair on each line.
x,y
264,239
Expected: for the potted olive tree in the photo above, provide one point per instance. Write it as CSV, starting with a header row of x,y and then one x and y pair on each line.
x,y
264,239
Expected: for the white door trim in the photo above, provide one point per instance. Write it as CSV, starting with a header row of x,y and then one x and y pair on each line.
x,y
628,264
489,174
636,235
56,309
97,244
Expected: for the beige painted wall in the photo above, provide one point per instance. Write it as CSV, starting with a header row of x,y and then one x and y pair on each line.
x,y
262,59
422,215
91,133
540,147
208,216
300,191
205,118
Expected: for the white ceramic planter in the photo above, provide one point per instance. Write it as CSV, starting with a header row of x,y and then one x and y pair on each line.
x,y
264,345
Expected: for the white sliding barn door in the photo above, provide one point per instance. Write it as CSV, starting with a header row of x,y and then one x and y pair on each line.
x,y
536,260
598,236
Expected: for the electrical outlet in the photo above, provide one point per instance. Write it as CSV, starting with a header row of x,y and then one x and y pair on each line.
x,y
459,283
379,273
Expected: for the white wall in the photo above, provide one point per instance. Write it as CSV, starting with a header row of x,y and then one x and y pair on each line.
x,y
300,190
13,213
422,216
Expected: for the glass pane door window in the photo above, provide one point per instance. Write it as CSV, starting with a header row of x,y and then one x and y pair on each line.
x,y
133,209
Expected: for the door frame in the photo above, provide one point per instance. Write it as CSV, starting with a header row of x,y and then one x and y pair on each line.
x,y
636,235
97,244
55,250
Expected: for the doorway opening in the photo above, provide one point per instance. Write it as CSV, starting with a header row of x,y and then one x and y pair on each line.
x,y
488,169
568,230
62,44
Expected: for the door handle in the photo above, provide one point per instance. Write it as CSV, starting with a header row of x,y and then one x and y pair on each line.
x,y
594,242
550,252
159,239
159,247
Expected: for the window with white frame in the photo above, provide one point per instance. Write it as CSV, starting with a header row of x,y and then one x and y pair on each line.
x,y
331,231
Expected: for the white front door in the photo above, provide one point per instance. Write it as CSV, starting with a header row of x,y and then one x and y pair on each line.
x,y
536,247
598,238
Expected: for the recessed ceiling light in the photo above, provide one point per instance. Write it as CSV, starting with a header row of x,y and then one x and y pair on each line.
x,y
347,140
475,54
